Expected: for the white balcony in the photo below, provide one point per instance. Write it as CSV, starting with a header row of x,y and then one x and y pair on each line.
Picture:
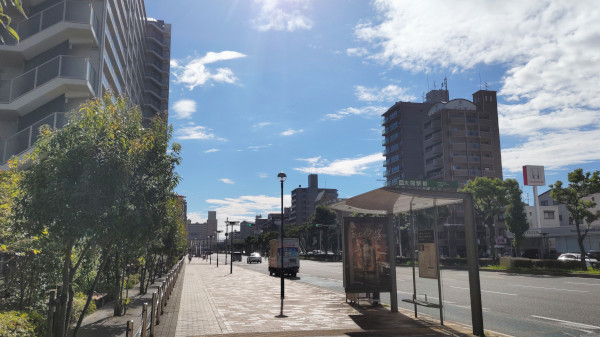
x,y
62,74
22,141
67,20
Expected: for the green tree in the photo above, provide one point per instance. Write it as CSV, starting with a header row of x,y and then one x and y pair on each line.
x,y
580,210
514,215
489,198
325,218
5,19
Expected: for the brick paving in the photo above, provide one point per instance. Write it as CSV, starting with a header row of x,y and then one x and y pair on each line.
x,y
208,301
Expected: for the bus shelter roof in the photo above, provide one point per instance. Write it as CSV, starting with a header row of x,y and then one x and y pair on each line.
x,y
392,200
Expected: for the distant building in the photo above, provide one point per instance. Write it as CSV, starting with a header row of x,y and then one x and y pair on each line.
x,y
442,139
248,229
305,200
211,222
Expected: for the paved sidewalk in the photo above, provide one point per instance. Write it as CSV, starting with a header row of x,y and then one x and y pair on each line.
x,y
245,303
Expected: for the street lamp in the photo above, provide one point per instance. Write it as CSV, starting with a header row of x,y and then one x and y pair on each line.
x,y
230,223
218,246
281,177
210,247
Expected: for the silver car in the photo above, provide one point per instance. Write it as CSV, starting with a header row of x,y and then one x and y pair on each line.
x,y
254,257
576,257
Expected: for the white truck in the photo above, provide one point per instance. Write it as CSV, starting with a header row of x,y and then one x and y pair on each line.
x,y
291,259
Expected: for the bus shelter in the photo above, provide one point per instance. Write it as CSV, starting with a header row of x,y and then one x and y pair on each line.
x,y
392,200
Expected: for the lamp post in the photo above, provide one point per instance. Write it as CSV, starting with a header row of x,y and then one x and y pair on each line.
x,y
281,177
218,246
230,235
210,245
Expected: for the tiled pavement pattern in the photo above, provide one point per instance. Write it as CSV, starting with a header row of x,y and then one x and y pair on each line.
x,y
246,302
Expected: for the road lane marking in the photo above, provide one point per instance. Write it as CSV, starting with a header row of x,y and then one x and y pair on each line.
x,y
569,323
585,284
572,290
486,291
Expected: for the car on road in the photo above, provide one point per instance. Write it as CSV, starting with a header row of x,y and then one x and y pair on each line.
x,y
577,257
236,256
254,257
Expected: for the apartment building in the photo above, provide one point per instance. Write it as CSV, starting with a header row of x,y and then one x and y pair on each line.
x,y
446,140
442,139
70,51
305,200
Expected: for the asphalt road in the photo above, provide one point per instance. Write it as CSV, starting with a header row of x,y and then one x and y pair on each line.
x,y
515,305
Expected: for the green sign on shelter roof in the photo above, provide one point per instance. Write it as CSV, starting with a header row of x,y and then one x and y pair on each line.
x,y
427,184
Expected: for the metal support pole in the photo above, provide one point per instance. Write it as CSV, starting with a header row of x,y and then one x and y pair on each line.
x,y
281,177
392,262
473,263
412,254
437,260
158,306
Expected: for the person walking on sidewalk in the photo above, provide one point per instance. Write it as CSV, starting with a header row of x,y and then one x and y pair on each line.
x,y
190,257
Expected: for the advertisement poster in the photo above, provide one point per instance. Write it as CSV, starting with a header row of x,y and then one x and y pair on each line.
x,y
427,260
366,265
533,175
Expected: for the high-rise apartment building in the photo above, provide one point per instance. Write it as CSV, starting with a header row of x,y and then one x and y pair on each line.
x,y
304,200
442,139
70,51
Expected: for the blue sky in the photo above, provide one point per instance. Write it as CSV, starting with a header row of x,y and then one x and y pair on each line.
x,y
263,86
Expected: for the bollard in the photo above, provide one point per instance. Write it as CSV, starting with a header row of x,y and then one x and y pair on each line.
x,y
144,319
164,297
159,306
153,317
51,310
129,331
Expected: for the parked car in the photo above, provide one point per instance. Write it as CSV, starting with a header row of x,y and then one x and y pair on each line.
x,y
254,257
236,256
577,257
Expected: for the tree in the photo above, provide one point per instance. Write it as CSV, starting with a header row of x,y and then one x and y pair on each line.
x,y
325,217
5,19
580,210
489,198
514,216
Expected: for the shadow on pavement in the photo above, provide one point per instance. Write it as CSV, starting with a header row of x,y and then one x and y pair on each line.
x,y
378,321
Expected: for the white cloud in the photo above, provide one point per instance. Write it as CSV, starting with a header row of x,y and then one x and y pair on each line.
x,y
367,111
211,150
554,150
184,108
290,132
391,93
357,52
258,147
281,15
195,73
195,132
227,181
197,217
549,50
341,167
261,125
248,206
263,175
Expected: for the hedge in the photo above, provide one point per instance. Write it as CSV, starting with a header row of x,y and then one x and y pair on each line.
x,y
21,324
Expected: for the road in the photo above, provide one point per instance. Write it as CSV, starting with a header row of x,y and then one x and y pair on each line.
x,y
516,305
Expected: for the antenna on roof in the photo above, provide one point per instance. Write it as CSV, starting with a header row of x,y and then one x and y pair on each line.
x,y
486,85
445,84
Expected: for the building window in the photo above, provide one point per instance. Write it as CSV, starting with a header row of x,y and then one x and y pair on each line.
x,y
548,214
544,202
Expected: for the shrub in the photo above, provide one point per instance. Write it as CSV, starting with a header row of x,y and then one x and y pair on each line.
x,y
78,304
21,324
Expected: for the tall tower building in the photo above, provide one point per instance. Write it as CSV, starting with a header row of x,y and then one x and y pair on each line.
x,y
70,51
442,139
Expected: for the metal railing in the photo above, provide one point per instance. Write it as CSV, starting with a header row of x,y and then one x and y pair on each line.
x,y
65,11
150,316
24,139
61,66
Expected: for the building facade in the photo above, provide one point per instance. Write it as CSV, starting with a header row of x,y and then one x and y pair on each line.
x,y
442,139
305,200
70,51
446,140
